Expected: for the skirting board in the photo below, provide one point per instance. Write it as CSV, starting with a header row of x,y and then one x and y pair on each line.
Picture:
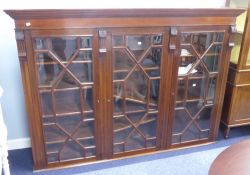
x,y
18,143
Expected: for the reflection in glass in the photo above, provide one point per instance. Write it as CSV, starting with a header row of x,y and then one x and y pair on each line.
x,y
196,88
138,44
64,48
211,87
83,56
122,64
157,39
88,98
82,72
204,117
211,59
154,94
63,65
195,107
47,69
67,101
192,133
136,90
181,88
46,102
71,150
118,40
40,44
118,95
186,65
186,38
152,61
197,78
181,120
86,42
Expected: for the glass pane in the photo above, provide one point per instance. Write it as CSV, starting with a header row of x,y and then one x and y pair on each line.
x,y
69,123
195,107
82,72
72,150
157,39
151,62
53,134
204,117
151,143
136,91
138,44
90,152
118,40
202,41
181,89
186,38
40,43
53,157
118,148
192,133
122,128
211,59
87,94
123,63
64,48
67,101
186,64
84,56
118,95
135,141
197,76
47,68
86,42
54,147
211,89
85,131
181,120
46,102
148,126
154,94
196,88
67,81
69,132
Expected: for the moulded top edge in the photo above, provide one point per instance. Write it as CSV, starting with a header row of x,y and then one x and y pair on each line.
x,y
103,13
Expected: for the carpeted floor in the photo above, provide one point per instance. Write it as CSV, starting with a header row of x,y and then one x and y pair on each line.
x,y
192,161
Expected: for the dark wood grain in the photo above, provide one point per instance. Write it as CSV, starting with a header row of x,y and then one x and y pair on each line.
x,y
116,13
170,23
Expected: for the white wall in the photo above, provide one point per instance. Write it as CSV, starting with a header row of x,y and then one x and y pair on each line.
x,y
10,78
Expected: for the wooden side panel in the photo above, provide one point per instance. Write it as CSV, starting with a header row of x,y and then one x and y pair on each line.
x,y
28,78
229,101
242,105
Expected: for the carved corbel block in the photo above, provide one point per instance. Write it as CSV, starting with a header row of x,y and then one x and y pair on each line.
x,y
20,39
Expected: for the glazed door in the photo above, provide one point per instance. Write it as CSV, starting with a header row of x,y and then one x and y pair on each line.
x,y
199,70
65,71
137,73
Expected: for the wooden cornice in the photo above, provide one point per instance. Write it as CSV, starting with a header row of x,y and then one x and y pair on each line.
x,y
110,13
